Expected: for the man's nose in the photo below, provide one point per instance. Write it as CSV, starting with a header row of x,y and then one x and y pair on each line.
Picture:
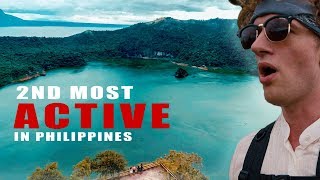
x,y
261,45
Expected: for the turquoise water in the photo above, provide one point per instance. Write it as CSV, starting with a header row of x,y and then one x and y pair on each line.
x,y
208,115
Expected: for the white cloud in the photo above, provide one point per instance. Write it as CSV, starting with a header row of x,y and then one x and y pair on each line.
x,y
209,13
32,16
121,11
34,4
129,18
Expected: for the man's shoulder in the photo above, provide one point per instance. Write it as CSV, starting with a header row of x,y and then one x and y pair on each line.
x,y
244,144
239,155
246,140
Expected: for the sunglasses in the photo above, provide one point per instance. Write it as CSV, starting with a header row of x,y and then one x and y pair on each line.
x,y
277,28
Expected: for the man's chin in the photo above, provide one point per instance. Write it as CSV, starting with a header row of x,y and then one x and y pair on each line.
x,y
273,102
274,99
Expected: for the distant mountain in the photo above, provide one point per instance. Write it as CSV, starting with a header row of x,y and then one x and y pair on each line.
x,y
212,43
9,20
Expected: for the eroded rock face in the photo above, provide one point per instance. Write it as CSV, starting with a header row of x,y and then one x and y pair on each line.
x,y
181,73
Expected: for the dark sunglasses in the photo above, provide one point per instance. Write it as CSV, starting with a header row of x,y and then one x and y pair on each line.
x,y
277,28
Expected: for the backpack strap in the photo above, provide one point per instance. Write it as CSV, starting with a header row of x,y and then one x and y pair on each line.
x,y
255,155
318,166
254,159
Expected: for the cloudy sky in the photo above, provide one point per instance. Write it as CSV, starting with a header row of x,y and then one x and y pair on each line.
x,y
118,11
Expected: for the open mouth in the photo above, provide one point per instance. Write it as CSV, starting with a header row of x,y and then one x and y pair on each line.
x,y
266,69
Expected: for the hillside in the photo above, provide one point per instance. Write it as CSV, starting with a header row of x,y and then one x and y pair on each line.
x,y
212,43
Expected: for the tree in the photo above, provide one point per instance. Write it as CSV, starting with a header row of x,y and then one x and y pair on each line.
x,y
50,172
82,170
182,165
108,163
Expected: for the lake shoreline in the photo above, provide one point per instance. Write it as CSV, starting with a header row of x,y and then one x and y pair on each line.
x,y
37,74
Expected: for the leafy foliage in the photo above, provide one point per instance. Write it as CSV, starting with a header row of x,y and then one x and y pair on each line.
x,y
108,163
82,170
50,172
182,165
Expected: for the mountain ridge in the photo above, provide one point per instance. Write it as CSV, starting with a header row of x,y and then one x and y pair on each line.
x,y
211,43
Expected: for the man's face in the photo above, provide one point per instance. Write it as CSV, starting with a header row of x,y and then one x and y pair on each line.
x,y
295,61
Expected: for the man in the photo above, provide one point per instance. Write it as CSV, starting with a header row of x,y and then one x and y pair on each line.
x,y
285,37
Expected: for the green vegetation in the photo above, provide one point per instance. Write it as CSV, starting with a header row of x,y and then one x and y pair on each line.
x,y
48,173
108,163
21,57
183,165
105,164
212,43
82,170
